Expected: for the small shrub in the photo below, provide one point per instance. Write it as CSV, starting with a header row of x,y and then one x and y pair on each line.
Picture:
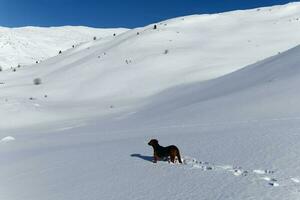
x,y
37,81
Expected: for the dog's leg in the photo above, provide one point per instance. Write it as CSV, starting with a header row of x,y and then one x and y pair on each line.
x,y
155,158
178,157
172,159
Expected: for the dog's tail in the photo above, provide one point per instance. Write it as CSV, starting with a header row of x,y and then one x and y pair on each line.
x,y
178,156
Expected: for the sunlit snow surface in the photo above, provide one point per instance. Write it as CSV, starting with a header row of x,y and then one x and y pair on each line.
x,y
226,92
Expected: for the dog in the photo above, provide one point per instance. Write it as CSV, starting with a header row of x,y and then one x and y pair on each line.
x,y
162,153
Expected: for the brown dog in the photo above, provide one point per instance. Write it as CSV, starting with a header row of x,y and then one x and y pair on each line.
x,y
169,152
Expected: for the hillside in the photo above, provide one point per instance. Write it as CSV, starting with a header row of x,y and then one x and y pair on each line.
x,y
122,71
25,46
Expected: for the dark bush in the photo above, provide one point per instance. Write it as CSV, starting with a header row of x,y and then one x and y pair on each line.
x,y
37,81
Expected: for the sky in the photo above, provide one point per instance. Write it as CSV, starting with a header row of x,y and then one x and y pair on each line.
x,y
112,13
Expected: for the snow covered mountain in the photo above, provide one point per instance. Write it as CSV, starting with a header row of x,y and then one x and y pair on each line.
x,y
122,71
222,87
25,46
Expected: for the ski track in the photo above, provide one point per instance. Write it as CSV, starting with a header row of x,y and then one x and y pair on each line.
x,y
266,175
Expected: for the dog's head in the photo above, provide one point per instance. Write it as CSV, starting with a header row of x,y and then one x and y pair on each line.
x,y
153,142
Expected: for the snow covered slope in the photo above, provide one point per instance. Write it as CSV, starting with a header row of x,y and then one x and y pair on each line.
x,y
122,71
238,134
83,132
24,46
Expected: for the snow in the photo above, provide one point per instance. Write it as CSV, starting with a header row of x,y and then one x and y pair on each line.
x,y
7,139
26,45
222,94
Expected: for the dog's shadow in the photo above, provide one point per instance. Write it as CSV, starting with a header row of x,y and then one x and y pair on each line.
x,y
147,158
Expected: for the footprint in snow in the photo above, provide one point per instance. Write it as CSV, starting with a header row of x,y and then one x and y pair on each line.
x,y
271,181
259,171
240,172
205,166
236,171
256,174
295,180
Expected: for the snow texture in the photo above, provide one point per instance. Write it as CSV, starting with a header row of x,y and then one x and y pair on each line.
x,y
226,93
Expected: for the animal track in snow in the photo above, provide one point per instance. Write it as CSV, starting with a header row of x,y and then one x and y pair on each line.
x,y
259,171
255,174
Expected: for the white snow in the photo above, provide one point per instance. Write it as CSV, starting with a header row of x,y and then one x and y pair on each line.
x,y
222,94
7,139
24,46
